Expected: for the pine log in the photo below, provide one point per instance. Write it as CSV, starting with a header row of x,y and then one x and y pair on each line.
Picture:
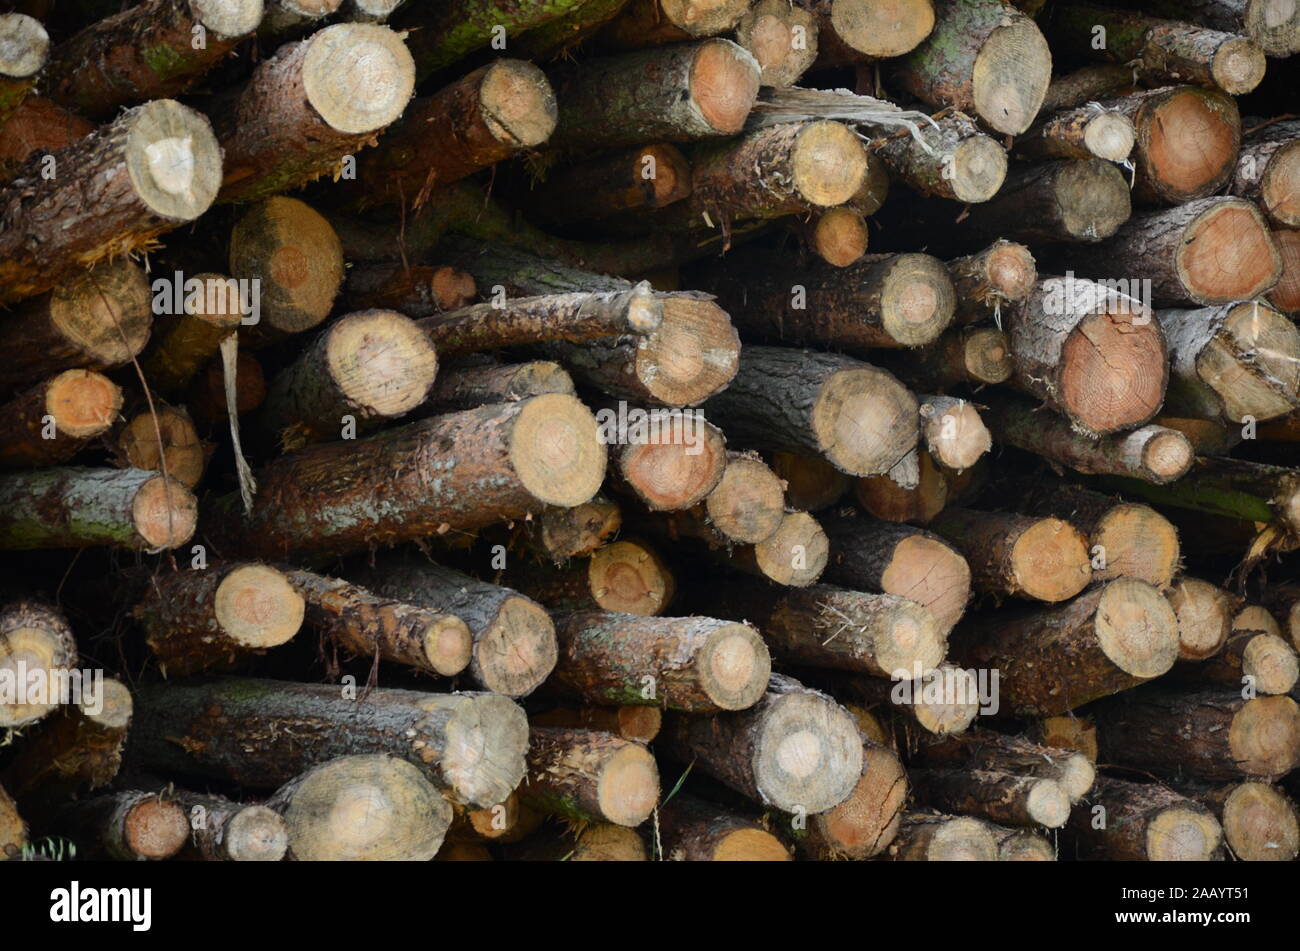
x,y
675,93
638,723
1054,659
1086,84
982,58
1260,822
796,749
782,37
1083,132
640,179
656,22
837,235
1232,362
151,170
462,471
926,837
1004,797
1273,24
586,775
482,118
213,311
1002,274
514,639
1255,618
310,105
368,625
77,508
986,750
34,638
966,355
417,291
127,826
864,824
942,701
1151,453
583,842
673,463
900,560
1024,845
626,576
1145,822
859,418
51,422
692,664
370,11
1268,172
507,821
884,498
148,51
1042,559
891,300
1211,734
1283,600
262,733
953,432
950,158
879,635
37,125
693,830
225,831
13,831
747,505
286,19
811,483
1285,296
1204,617
26,51
1253,660
794,555
567,32
1161,51
297,259
163,440
578,531
366,807
1068,732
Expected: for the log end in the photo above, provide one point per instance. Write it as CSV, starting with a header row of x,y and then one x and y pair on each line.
x,y
228,18
693,353
114,706
811,483
769,30
447,645
910,639
703,17
1110,136
628,787
1238,66
1274,25
882,30
986,355
1265,737
1050,561
517,650
1136,628
1137,542
257,607
358,76
164,512
173,159
865,421
1114,369
1094,199
828,163
1271,662
1273,343
750,845
954,433
629,577
724,84
1191,138
24,46
1047,804
678,466
256,834
1285,295
155,829
930,572
180,453
1184,833
1010,270
82,403
1279,190
979,167
1025,846
1204,618
734,667
1011,74
1076,773
796,553
1227,254
1168,456
962,839
748,503
917,300
865,823
486,742
105,312
518,103
840,236
381,361
556,451
808,756
1260,824
953,707
33,645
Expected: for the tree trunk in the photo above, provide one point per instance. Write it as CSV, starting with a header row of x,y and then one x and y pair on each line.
x,y
747,506
968,355
416,291
514,639
859,30
1260,822
263,733
367,625
930,490
311,105
1085,85
151,170
586,775
1145,822
811,483
1007,798
13,831
668,461
225,831
330,816
496,463
147,51
54,420
1260,661
37,125
1273,24
191,339
925,837
657,22
692,664
447,32
783,39
26,51
626,577
982,749
1268,172
1002,274
692,830
127,826
951,159
796,749
1054,659
1083,132
642,179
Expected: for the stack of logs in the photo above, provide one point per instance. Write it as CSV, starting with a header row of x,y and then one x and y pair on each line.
x,y
479,430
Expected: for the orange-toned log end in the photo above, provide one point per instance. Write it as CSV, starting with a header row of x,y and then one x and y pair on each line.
x,y
840,235
1050,561
629,577
931,573
1228,254
828,164
156,829
180,453
164,512
448,645
748,504
750,845
1285,295
555,450
1010,270
811,483
1260,824
782,37
723,85
83,403
866,823
1191,143
257,607
887,500
692,354
1113,372
1280,187
678,466
452,288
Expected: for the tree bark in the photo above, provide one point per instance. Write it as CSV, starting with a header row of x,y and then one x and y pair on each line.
x,y
586,775
225,831
926,837
1002,797
1260,822
970,356
51,422
37,125
692,830
416,291
642,179
1002,274
640,724
986,750
1145,822
951,159
127,826
1273,24
38,638
1083,132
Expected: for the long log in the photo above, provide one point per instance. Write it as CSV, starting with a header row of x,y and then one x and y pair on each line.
x,y
419,290
950,158
626,576
35,638
1255,660
693,830
1082,132
263,733
967,355
51,422
1145,822
1002,797
1273,24
225,831
983,749
127,826
586,775
640,179
926,837
1260,822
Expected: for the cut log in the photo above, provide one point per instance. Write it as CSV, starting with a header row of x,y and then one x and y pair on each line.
x,y
892,300
1083,132
367,625
782,37
148,51
578,531
1283,601
1069,733
884,498
837,235
164,440
675,465
151,170
13,831
1086,84
1150,453
559,37
1092,352
983,58
796,749
637,723
1232,362
311,105
1285,295
202,619
865,824
1024,845
953,431
1212,734
1204,617
470,385
673,94
794,555
656,22
1145,822
747,505
949,159
1256,618
860,30
586,775
1273,24
984,283
968,355
185,343
297,260
692,664
1054,659
416,291
983,749
811,483
514,639
1006,798
128,826
37,126
507,821
366,807
262,733
77,508
26,51
225,831
51,422
692,830
290,18
879,635
945,700
900,560
1260,822
1161,51
494,463
35,638
925,837
1042,559
1268,172
1253,660
588,842
861,419
482,118
641,179
627,577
